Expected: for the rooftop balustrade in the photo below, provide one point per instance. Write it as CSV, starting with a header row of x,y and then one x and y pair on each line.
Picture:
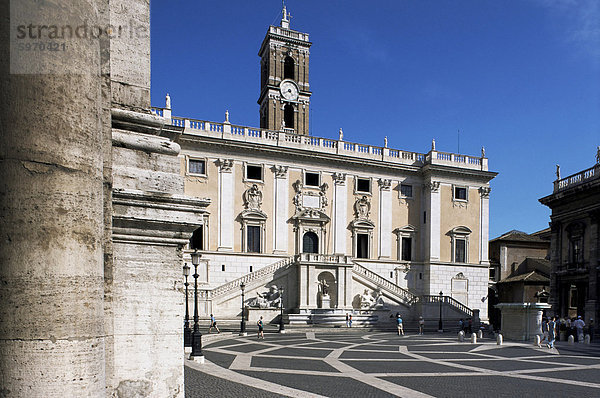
x,y
287,139
578,178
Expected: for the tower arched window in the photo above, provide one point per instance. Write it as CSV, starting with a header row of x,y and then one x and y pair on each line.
x,y
289,67
288,116
310,243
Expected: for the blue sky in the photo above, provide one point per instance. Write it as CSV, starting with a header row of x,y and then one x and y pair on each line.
x,y
521,78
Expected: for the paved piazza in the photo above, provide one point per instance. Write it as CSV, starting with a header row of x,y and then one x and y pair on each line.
x,y
373,364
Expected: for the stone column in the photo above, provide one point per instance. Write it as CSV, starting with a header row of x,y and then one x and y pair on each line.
x,y
340,213
280,236
54,136
226,217
484,224
555,237
303,286
592,299
385,218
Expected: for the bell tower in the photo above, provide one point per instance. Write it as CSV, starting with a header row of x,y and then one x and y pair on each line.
x,y
284,90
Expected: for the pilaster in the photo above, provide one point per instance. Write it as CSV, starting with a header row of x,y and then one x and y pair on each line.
x,y
340,213
385,219
226,194
484,224
434,219
281,200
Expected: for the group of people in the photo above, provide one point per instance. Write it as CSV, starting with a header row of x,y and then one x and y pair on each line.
x,y
465,326
400,324
551,327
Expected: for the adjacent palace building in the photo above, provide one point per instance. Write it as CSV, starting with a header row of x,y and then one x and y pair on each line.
x,y
340,226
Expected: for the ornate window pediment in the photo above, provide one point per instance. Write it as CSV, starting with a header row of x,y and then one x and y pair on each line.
x,y
406,241
460,243
362,223
462,230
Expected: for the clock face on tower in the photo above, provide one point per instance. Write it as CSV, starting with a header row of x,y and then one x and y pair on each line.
x,y
288,90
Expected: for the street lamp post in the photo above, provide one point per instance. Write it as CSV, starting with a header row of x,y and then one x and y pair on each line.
x,y
196,335
281,326
440,327
243,323
187,331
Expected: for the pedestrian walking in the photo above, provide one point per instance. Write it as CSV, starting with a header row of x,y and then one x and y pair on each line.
x,y
261,333
347,320
579,325
213,324
421,325
461,325
350,320
591,329
551,332
399,324
544,332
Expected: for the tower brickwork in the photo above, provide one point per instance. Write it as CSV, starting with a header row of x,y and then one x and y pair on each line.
x,y
284,81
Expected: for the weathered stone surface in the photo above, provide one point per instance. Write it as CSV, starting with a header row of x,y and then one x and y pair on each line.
x,y
51,196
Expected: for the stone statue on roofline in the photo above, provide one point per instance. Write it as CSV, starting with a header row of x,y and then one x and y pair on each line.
x,y
598,155
558,172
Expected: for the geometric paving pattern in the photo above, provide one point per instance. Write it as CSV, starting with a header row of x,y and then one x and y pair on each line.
x,y
368,364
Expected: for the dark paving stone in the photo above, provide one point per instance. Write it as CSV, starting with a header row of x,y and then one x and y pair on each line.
x,y
221,343
501,365
376,347
375,355
443,347
328,386
587,375
202,385
291,342
451,356
248,347
515,352
332,345
412,366
301,352
296,364
561,359
223,360
491,386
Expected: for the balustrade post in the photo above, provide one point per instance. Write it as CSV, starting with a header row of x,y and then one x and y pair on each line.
x,y
186,123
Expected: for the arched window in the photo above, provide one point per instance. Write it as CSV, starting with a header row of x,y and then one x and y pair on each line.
x,y
197,239
288,116
288,68
310,243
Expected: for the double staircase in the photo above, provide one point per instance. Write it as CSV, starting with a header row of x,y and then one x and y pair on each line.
x,y
390,291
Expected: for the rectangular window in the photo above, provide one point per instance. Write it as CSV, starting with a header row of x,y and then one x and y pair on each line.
x,y
363,185
406,191
197,166
250,268
406,249
460,193
460,250
362,246
492,274
312,179
253,238
254,172
223,267
425,217
576,253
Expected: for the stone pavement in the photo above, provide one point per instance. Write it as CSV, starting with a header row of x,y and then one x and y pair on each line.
x,y
360,363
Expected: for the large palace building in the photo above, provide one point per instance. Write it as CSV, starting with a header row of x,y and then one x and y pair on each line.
x,y
340,226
